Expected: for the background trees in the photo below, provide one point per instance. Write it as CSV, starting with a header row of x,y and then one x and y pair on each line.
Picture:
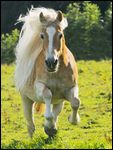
x,y
89,33
10,10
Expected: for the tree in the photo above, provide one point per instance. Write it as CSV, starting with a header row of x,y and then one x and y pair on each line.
x,y
86,33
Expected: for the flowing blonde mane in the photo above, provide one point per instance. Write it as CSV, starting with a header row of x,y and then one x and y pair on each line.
x,y
30,45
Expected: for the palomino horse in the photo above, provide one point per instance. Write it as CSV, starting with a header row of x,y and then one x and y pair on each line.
x,y
46,70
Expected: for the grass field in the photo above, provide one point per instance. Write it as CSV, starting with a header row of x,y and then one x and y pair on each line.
x,y
95,128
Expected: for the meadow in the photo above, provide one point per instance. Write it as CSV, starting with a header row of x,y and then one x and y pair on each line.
x,y
95,128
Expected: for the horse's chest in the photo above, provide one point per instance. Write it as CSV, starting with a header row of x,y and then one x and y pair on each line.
x,y
55,84
57,87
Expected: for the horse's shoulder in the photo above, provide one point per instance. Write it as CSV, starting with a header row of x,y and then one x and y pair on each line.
x,y
73,64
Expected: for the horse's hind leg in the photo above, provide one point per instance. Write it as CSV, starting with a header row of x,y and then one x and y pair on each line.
x,y
56,110
28,108
72,96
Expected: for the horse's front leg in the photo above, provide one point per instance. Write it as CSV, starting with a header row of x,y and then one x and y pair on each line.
x,y
43,92
72,96
49,120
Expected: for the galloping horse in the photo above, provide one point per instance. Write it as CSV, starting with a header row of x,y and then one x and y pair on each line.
x,y
46,71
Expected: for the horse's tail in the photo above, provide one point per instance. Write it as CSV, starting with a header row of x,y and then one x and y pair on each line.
x,y
39,107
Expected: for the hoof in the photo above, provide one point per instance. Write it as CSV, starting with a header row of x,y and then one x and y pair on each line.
x,y
50,131
31,131
74,121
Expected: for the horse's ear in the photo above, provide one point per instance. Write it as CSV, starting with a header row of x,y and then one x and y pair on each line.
x,y
59,16
42,18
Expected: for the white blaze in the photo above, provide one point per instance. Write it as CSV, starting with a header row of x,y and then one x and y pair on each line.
x,y
51,31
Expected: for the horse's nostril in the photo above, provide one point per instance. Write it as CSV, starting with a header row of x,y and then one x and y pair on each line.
x,y
55,62
51,63
46,62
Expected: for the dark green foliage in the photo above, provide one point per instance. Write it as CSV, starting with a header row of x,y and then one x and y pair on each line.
x,y
8,44
11,10
88,33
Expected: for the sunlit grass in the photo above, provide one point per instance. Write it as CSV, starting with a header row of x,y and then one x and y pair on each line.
x,y
95,128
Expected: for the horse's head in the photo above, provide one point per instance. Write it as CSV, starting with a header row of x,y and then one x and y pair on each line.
x,y
53,38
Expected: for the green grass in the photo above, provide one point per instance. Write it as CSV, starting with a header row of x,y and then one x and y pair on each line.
x,y
95,128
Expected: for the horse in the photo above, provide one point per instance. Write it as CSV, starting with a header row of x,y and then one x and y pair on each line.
x,y
46,70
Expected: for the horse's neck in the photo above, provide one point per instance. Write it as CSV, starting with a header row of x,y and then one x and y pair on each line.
x,y
65,54
68,58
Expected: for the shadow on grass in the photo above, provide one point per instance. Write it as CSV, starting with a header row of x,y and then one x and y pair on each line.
x,y
34,144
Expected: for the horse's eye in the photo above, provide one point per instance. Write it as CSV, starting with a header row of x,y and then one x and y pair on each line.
x,y
60,35
42,36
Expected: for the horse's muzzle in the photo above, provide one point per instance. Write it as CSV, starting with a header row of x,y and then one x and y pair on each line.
x,y
51,64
